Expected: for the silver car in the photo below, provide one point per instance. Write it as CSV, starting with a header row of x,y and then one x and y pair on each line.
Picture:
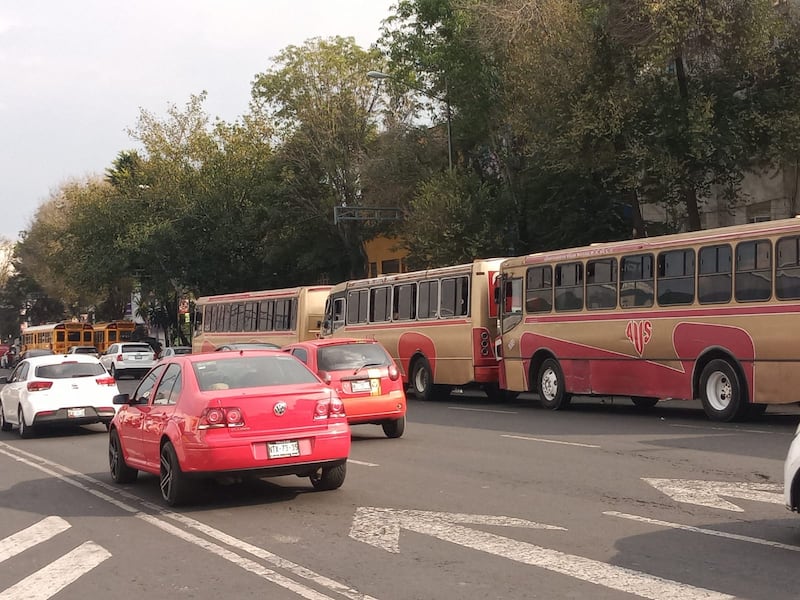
x,y
133,358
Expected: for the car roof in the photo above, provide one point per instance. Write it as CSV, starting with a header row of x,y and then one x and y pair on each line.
x,y
54,359
325,342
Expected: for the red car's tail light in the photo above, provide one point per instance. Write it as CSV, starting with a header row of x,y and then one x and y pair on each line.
x,y
105,381
38,386
214,418
394,374
329,408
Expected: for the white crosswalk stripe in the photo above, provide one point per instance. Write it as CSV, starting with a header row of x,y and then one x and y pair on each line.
x,y
57,575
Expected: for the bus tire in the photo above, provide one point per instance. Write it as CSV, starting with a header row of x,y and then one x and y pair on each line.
x,y
721,392
644,401
422,379
551,386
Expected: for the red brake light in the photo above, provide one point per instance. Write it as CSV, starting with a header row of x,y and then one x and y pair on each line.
x,y
38,386
394,374
332,407
214,418
105,381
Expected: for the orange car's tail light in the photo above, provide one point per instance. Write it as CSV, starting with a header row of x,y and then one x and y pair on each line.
x,y
105,381
214,418
394,374
329,408
38,386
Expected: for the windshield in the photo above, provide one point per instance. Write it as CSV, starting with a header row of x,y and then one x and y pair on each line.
x,y
67,370
136,348
251,371
352,356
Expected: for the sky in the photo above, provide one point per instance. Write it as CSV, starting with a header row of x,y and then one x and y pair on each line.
x,y
74,75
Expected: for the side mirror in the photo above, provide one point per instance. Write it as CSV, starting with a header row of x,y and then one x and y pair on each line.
x,y
121,399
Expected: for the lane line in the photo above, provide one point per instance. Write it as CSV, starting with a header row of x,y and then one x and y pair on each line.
x,y
533,439
53,578
726,429
713,532
362,463
75,479
35,534
488,410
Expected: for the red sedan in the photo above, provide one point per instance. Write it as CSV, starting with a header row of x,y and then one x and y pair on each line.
x,y
255,413
364,376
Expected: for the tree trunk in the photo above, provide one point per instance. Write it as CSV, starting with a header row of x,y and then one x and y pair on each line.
x,y
689,189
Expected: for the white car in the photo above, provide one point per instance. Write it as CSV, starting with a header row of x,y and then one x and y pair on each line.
x,y
56,390
174,351
128,357
791,474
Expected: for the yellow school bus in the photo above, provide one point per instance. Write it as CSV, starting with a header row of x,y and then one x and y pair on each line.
x,y
707,314
58,337
280,317
111,332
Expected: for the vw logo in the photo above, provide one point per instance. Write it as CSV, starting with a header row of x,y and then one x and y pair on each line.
x,y
279,408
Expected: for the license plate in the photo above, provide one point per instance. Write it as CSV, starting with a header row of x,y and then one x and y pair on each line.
x,y
362,385
137,357
73,413
281,449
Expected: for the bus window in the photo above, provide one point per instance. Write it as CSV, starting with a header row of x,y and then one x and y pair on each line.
x,y
569,286
714,279
675,281
511,303
357,306
236,316
428,299
404,303
455,297
787,278
266,312
753,279
601,284
636,281
539,289
380,304
250,316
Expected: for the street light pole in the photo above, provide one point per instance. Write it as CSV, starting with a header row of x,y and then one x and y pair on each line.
x,y
379,75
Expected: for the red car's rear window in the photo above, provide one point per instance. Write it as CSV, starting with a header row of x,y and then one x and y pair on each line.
x,y
251,371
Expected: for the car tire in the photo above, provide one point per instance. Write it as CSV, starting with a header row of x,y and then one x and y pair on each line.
x,y
329,478
114,373
4,425
120,471
175,487
25,430
394,428
551,386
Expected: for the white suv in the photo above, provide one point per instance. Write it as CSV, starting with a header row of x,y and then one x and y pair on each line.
x,y
128,357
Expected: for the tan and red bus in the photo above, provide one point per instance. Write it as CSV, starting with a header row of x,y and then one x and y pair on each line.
x,y
278,317
709,314
58,337
438,324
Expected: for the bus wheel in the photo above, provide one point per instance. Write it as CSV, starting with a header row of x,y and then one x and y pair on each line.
x,y
422,379
644,401
551,386
721,392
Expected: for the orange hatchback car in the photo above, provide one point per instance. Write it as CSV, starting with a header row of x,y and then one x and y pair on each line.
x,y
364,376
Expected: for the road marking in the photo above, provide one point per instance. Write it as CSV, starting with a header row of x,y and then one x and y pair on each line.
x,y
50,580
533,439
362,463
727,429
489,410
722,534
709,493
380,527
80,480
31,536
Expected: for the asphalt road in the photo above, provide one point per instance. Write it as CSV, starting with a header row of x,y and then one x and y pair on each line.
x,y
477,500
